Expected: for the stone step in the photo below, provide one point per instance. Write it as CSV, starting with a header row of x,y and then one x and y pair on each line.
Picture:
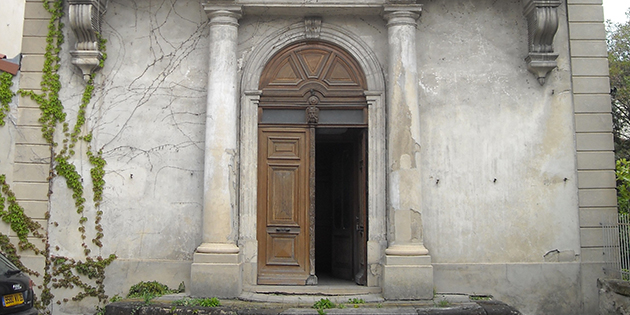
x,y
312,289
249,308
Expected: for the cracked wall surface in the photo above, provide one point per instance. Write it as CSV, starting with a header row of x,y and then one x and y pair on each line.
x,y
497,154
498,149
148,117
149,122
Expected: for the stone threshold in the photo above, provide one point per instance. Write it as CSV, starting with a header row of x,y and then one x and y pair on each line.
x,y
338,291
308,299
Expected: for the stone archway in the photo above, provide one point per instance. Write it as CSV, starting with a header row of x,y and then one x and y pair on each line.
x,y
373,93
395,240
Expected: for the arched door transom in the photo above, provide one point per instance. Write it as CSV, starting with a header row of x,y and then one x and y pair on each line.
x,y
300,70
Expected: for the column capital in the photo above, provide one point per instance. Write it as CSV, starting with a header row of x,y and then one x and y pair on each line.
x,y
223,13
401,14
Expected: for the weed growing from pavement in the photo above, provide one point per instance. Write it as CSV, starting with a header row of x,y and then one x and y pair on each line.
x,y
202,302
480,297
323,304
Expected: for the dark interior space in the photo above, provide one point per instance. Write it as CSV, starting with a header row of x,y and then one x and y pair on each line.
x,y
337,202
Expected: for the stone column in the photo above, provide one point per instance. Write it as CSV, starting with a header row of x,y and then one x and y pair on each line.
x,y
408,273
216,268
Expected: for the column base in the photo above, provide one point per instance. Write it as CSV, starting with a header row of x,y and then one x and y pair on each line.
x,y
216,275
408,278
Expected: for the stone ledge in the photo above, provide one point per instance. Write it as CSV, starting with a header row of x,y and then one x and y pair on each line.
x,y
489,307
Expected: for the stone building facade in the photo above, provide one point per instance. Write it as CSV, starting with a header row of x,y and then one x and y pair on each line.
x,y
411,147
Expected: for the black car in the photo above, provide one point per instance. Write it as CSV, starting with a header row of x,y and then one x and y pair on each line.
x,y
16,290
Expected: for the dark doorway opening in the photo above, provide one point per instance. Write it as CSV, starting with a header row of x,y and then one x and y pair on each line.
x,y
340,214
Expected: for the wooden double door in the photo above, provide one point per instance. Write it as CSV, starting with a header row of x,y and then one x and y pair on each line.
x,y
312,204
312,122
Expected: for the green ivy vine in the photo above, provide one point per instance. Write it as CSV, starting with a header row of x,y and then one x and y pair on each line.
x,y
6,95
20,223
59,272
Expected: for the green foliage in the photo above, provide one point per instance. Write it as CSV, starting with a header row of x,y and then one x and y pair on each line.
x,y
115,298
209,302
618,41
59,272
323,304
623,185
480,297
356,301
6,95
149,288
94,269
20,223
443,303
48,100
205,302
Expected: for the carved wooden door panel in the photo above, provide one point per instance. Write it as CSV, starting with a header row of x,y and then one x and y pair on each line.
x,y
283,205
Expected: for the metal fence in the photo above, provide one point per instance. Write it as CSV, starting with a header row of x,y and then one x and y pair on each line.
x,y
617,247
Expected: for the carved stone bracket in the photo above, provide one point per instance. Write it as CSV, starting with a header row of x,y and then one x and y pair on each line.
x,y
85,21
312,27
542,21
312,115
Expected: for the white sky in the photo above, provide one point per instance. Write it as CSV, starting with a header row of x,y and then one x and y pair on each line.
x,y
615,10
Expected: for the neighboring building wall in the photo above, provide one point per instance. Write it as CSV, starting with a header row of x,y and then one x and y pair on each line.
x,y
32,153
11,22
593,124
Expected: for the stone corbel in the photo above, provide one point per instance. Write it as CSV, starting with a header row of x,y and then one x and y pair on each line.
x,y
85,21
542,21
312,27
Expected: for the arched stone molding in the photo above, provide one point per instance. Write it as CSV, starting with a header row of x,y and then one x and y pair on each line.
x,y
329,33
375,97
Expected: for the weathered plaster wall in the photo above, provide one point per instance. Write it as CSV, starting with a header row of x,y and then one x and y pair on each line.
x,y
148,117
499,164
498,153
499,177
7,137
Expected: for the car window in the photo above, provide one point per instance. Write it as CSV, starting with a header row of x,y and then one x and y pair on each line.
x,y
6,265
